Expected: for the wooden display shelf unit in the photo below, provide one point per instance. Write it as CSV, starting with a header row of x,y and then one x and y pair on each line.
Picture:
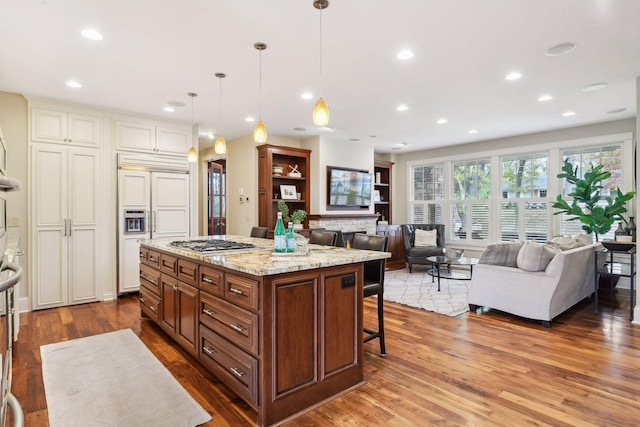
x,y
383,186
269,184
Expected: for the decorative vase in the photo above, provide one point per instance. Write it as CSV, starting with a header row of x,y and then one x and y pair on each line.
x,y
631,229
620,231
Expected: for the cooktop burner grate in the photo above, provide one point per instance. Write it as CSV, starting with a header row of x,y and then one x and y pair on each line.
x,y
211,245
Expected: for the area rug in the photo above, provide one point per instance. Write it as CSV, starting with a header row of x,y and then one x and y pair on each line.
x,y
418,290
113,379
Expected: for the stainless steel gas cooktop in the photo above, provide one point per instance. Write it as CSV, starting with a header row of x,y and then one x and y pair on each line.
x,y
212,245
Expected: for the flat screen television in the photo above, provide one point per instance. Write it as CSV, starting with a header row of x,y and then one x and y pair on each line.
x,y
348,187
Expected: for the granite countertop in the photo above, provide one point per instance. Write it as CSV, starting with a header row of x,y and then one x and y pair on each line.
x,y
261,262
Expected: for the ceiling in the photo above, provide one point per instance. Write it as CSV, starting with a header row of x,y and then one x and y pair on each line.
x,y
156,51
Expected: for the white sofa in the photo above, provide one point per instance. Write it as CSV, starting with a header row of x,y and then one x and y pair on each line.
x,y
540,295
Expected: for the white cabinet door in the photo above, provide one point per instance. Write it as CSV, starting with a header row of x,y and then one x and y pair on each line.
x,y
135,136
63,128
49,247
83,204
170,204
65,192
175,141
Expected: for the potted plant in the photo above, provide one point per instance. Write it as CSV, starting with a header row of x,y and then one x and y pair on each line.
x,y
585,206
296,217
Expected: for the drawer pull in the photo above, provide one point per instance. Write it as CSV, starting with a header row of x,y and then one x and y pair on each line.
x,y
141,255
206,279
208,312
175,288
152,259
153,308
236,291
236,327
142,300
237,372
143,275
208,350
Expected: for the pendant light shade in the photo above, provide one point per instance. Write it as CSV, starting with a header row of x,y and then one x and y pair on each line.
x,y
192,154
220,147
321,109
321,113
260,131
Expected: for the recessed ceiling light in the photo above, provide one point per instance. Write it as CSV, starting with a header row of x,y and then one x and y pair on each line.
x,y
404,55
354,139
594,86
74,84
373,136
544,98
472,131
176,103
513,76
568,113
299,129
396,148
249,119
442,121
402,144
307,95
91,34
169,109
560,49
616,110
402,107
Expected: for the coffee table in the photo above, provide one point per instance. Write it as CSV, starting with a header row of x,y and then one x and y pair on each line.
x,y
449,273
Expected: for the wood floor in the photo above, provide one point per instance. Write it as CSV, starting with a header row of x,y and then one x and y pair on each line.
x,y
491,369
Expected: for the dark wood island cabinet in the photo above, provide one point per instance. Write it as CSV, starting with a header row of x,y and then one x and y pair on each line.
x,y
284,335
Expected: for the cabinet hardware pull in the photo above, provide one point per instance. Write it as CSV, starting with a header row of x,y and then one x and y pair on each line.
x,y
236,327
19,253
206,279
237,372
175,287
208,312
143,275
236,291
70,226
142,300
152,259
153,308
208,350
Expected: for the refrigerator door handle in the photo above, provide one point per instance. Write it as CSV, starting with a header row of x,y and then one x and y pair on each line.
x,y
147,226
65,227
155,221
69,226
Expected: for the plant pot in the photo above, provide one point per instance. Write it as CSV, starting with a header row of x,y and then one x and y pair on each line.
x,y
297,226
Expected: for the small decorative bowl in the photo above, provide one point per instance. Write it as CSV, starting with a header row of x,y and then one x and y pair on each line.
x,y
613,245
453,254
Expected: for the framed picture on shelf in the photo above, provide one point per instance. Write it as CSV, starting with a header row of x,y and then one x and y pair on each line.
x,y
288,192
376,196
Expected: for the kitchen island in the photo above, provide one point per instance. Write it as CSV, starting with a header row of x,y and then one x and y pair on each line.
x,y
283,332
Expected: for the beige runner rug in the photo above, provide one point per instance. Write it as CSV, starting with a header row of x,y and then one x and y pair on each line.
x,y
113,379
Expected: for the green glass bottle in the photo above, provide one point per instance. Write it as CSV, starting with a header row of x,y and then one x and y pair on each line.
x,y
279,238
291,239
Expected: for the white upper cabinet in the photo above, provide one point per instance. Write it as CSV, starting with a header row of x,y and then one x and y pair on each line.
x,y
143,137
65,128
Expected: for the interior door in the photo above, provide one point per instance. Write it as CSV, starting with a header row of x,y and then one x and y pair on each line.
x,y
216,199
169,205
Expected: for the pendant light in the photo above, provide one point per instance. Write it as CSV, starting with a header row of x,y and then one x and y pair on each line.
x,y
321,110
260,131
192,154
220,147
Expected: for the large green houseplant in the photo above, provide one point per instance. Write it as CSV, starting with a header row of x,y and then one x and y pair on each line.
x,y
586,200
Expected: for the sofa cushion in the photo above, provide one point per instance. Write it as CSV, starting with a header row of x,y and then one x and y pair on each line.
x,y
534,256
426,238
505,253
424,252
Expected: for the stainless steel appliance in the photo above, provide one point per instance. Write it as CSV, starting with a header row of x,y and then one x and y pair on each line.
x,y
135,221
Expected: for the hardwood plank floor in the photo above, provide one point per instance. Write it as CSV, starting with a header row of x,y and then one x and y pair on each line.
x,y
488,369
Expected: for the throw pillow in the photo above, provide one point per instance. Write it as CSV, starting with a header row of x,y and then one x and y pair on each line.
x,y
505,253
534,256
583,239
562,243
426,237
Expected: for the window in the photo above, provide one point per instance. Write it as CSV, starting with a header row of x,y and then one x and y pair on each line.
x,y
524,212
611,157
428,186
470,212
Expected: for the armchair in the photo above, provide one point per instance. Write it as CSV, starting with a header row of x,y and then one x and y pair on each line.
x,y
418,254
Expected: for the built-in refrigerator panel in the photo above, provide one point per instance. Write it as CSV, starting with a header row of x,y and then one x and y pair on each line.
x,y
164,201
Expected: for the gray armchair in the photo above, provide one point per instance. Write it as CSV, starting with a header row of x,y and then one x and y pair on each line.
x,y
418,254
